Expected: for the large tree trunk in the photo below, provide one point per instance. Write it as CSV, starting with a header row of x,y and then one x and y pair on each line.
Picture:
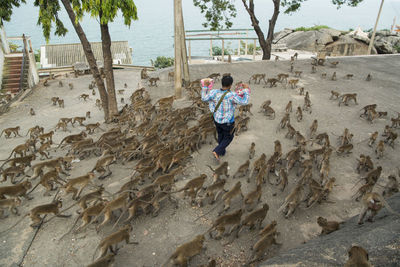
x,y
89,57
265,44
108,70
271,28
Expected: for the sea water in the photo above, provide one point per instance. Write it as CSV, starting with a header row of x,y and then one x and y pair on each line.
x,y
152,34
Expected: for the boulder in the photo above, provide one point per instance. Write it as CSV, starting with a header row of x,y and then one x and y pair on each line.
x,y
279,35
332,32
380,239
348,46
306,40
383,46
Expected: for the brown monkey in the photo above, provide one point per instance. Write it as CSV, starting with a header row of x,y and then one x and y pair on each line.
x,y
60,103
392,136
369,77
81,181
323,75
221,170
257,78
54,99
285,121
61,124
372,138
262,245
243,170
334,94
193,186
92,126
115,238
222,221
271,81
84,97
345,98
228,196
298,73
13,172
32,112
254,217
8,131
49,179
153,81
373,202
184,252
252,150
103,164
88,114
288,107
11,204
283,179
80,120
380,148
313,69
17,190
334,63
214,190
333,78
299,114
358,257
327,226
259,163
73,138
71,86
344,148
283,77
292,201
252,198
293,83
93,92
104,261
313,128
268,229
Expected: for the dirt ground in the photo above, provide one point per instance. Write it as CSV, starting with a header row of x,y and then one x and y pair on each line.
x,y
159,236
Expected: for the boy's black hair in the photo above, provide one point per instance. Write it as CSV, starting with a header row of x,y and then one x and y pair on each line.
x,y
226,81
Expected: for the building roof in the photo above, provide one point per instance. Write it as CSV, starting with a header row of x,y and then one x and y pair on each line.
x,y
61,55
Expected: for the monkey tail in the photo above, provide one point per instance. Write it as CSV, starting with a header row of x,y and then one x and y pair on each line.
x,y
33,188
387,206
70,230
20,220
1,133
208,212
210,168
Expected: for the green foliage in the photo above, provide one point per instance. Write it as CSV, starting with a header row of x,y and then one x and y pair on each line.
x,y
217,51
397,48
250,48
13,47
314,28
48,14
37,55
106,10
6,7
217,13
163,62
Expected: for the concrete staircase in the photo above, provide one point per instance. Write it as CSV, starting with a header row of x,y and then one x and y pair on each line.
x,y
12,74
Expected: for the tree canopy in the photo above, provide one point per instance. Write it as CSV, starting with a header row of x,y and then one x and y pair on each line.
x,y
219,13
6,9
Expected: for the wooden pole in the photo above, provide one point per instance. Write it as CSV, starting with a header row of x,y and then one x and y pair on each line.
x,y
178,51
223,50
247,35
211,52
182,36
371,42
254,49
239,48
190,52
394,23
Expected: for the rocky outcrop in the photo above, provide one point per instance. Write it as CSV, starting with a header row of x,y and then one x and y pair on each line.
x,y
381,239
337,42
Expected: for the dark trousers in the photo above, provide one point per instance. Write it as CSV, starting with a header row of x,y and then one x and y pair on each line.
x,y
225,136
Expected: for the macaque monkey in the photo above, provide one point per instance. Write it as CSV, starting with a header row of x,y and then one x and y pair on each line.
x,y
88,114
220,170
184,252
291,67
54,99
271,81
327,226
252,150
84,97
392,136
43,149
291,131
48,180
323,75
71,86
60,103
276,58
283,179
11,204
313,69
98,103
214,190
346,137
13,172
60,84
73,138
257,78
80,120
358,257
8,131
104,261
121,91
92,126
262,245
345,98
214,76
334,63
285,121
153,81
19,190
193,186
293,83
122,100
380,148
171,76
222,221
391,187
292,201
372,203
243,170
228,196
102,164
369,77
333,78
301,91
255,217
297,73
93,92
268,229
252,198
334,94
344,148
32,112
288,107
372,138
295,55
20,150
283,77
113,239
81,182
349,76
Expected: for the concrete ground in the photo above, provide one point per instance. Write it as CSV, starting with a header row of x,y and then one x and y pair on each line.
x,y
159,236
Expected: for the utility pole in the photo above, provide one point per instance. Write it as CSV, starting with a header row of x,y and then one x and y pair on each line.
x,y
182,35
394,24
178,49
371,42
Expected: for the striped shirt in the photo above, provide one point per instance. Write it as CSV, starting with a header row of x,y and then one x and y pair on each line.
x,y
226,111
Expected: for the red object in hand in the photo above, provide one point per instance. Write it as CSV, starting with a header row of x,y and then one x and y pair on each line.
x,y
241,88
